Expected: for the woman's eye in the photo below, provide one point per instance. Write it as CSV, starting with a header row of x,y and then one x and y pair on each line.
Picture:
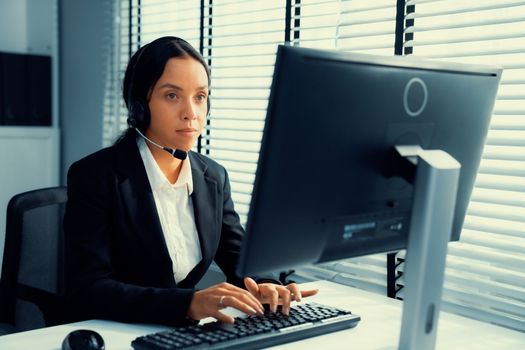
x,y
201,98
171,96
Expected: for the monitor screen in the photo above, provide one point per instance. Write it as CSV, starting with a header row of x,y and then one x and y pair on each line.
x,y
327,184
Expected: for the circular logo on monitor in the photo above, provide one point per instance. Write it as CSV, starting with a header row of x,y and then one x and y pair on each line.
x,y
415,97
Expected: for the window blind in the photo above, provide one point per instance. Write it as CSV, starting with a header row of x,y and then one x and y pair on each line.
x,y
157,18
485,271
240,44
112,104
314,23
126,40
138,22
484,277
365,27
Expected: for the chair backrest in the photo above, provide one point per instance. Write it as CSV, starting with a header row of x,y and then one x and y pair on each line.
x,y
32,281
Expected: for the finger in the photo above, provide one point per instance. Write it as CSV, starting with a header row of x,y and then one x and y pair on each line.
x,y
222,317
248,299
285,299
234,289
309,293
273,297
252,286
296,293
239,305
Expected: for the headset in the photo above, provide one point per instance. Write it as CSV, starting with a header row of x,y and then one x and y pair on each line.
x,y
138,112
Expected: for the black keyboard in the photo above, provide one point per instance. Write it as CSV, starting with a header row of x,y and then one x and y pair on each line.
x,y
253,332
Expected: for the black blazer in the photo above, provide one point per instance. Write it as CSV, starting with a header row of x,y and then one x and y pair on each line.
x,y
117,263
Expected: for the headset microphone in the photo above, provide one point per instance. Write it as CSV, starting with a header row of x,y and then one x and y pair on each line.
x,y
177,153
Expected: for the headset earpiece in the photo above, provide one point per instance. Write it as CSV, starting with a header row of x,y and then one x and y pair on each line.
x,y
132,123
138,115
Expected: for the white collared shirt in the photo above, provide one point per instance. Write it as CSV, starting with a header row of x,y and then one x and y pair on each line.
x,y
175,209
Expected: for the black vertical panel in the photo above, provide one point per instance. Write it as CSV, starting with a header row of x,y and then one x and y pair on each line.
x,y
297,20
139,24
130,29
14,89
287,20
391,275
398,50
400,27
201,50
38,70
210,41
409,23
289,28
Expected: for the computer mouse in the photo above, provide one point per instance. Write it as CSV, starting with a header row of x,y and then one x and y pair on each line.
x,y
83,339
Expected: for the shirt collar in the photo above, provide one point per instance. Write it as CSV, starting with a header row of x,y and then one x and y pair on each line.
x,y
156,177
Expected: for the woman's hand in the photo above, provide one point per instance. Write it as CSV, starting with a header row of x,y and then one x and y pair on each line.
x,y
209,301
275,294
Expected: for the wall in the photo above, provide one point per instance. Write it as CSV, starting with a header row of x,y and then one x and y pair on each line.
x,y
85,27
13,25
28,26
29,156
78,42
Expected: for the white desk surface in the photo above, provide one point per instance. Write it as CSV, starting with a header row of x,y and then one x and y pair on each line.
x,y
378,329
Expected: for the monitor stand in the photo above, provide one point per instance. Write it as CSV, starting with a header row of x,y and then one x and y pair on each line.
x,y
433,205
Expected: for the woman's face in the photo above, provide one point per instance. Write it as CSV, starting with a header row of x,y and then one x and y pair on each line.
x,y
178,104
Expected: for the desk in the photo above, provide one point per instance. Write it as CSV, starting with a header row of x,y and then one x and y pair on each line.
x,y
379,328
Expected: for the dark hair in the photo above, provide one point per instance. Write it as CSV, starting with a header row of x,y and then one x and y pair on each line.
x,y
145,68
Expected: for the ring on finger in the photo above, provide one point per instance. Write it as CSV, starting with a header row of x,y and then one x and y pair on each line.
x,y
221,301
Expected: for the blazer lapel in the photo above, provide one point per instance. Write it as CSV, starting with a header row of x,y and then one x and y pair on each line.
x,y
205,208
137,198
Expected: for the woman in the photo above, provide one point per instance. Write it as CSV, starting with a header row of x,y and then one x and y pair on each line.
x,y
143,225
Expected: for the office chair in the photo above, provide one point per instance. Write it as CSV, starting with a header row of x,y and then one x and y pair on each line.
x,y
32,281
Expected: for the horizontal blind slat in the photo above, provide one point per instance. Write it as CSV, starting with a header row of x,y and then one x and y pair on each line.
x,y
498,197
485,285
484,277
454,7
493,241
482,315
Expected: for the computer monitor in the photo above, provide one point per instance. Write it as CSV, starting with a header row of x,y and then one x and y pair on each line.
x,y
327,184
365,154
